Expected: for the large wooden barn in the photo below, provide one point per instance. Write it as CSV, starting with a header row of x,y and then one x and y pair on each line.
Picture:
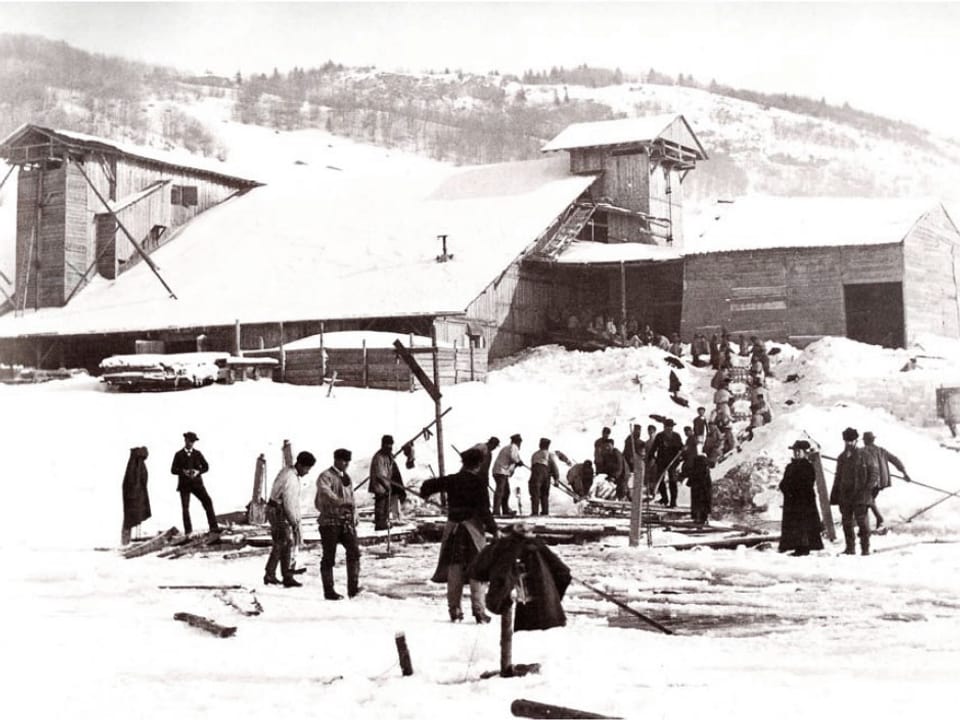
x,y
882,271
477,255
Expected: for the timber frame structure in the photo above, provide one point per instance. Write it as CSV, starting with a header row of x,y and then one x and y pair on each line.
x,y
75,192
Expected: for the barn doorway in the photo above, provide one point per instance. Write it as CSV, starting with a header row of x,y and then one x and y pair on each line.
x,y
875,313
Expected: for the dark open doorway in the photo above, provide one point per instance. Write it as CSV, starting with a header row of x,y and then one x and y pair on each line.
x,y
875,313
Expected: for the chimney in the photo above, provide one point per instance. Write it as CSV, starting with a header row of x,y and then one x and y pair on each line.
x,y
444,256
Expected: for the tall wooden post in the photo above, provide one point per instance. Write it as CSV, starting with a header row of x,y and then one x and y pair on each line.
x,y
287,451
623,302
636,502
823,494
506,641
323,358
236,339
39,218
363,350
283,356
410,345
436,403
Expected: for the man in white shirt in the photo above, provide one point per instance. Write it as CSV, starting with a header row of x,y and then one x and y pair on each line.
x,y
507,461
283,512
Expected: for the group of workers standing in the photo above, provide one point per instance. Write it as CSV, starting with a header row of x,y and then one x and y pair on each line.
x,y
861,474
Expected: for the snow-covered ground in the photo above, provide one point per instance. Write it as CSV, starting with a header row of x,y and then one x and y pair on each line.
x,y
89,633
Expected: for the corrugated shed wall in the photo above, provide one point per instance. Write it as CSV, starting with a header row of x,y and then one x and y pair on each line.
x,y
931,277
779,293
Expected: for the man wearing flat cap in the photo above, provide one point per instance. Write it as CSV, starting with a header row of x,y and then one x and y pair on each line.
x,y
189,465
800,525
853,492
338,524
386,484
508,460
879,460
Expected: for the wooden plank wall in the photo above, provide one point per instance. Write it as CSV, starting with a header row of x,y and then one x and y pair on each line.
x,y
511,311
378,367
49,242
780,292
931,272
138,219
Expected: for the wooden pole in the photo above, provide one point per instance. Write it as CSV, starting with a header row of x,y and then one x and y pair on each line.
x,y
37,223
236,339
323,357
623,301
287,454
363,350
438,412
636,502
506,641
455,362
823,494
472,378
5,177
283,356
403,652
410,374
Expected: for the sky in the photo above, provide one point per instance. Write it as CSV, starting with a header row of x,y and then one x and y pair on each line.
x,y
896,59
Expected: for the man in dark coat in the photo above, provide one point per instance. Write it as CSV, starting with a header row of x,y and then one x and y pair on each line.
x,y
543,471
136,501
523,563
486,449
667,447
189,465
386,484
800,526
599,446
701,490
613,465
468,516
853,492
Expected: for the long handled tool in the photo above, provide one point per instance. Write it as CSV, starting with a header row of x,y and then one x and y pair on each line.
x,y
666,470
610,598
901,477
932,506
425,429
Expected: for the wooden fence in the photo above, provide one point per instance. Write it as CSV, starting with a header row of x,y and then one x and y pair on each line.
x,y
376,367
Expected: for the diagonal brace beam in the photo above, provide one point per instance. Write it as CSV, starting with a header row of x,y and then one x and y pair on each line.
x,y
120,225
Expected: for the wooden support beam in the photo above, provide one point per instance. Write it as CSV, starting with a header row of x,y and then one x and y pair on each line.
x,y
146,257
205,624
5,177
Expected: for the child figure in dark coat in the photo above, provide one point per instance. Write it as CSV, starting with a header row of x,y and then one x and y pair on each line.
x,y
800,527
520,566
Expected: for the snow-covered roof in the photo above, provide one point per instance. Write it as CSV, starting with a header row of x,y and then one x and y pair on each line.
x,y
180,160
325,245
627,131
762,222
597,253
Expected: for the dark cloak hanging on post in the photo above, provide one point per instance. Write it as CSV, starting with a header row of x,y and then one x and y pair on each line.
x,y
136,501
547,578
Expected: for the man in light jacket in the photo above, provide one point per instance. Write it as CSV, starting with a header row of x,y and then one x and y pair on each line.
x,y
338,524
507,461
283,512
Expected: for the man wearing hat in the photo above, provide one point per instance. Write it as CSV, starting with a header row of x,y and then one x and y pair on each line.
x,y
543,469
486,450
189,465
853,492
666,450
338,524
283,512
800,525
507,461
878,465
468,517
386,484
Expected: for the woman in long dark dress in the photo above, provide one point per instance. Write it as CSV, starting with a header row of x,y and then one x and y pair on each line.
x,y
136,501
800,527
701,490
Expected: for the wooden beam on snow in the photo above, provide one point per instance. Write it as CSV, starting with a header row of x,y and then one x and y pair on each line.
x,y
111,213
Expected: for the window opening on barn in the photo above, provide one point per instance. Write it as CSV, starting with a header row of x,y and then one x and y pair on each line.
x,y
185,195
